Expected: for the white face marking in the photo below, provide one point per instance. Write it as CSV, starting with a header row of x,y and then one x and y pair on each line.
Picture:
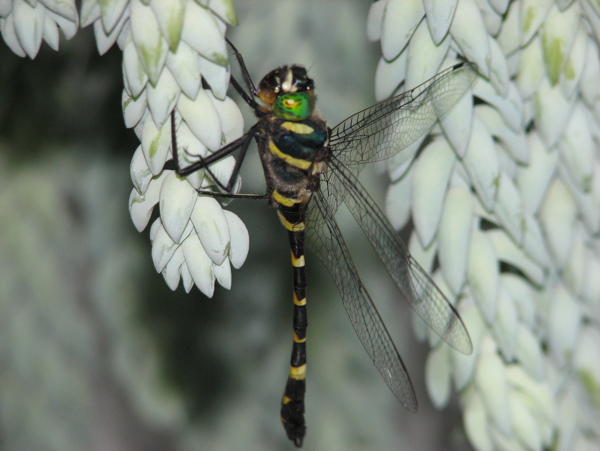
x,y
287,86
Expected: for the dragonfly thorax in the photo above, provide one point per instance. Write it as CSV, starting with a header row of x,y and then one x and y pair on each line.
x,y
289,93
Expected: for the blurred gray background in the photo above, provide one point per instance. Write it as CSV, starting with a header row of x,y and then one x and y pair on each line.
x,y
96,353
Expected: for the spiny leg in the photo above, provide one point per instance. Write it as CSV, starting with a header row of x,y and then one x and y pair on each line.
x,y
204,163
242,142
247,79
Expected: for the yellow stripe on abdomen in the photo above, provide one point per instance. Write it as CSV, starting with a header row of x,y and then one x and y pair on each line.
x,y
298,227
298,373
297,262
297,339
299,302
286,201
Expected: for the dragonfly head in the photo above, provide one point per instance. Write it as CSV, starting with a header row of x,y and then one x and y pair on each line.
x,y
289,92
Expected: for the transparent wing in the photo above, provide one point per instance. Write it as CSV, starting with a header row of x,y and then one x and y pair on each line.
x,y
326,240
414,284
385,129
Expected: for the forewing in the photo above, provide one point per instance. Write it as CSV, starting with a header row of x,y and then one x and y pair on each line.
x,y
385,129
415,286
326,240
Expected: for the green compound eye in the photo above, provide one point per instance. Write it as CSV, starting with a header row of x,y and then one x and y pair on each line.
x,y
295,106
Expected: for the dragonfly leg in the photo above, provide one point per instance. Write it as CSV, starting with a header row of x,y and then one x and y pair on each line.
x,y
203,163
247,79
243,141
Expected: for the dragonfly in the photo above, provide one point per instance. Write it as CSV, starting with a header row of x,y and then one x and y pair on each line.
x,y
310,170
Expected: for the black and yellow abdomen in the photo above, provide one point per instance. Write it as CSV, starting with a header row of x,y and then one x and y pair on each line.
x,y
294,155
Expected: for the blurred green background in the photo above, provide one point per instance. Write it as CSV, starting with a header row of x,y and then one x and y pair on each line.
x,y
96,353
